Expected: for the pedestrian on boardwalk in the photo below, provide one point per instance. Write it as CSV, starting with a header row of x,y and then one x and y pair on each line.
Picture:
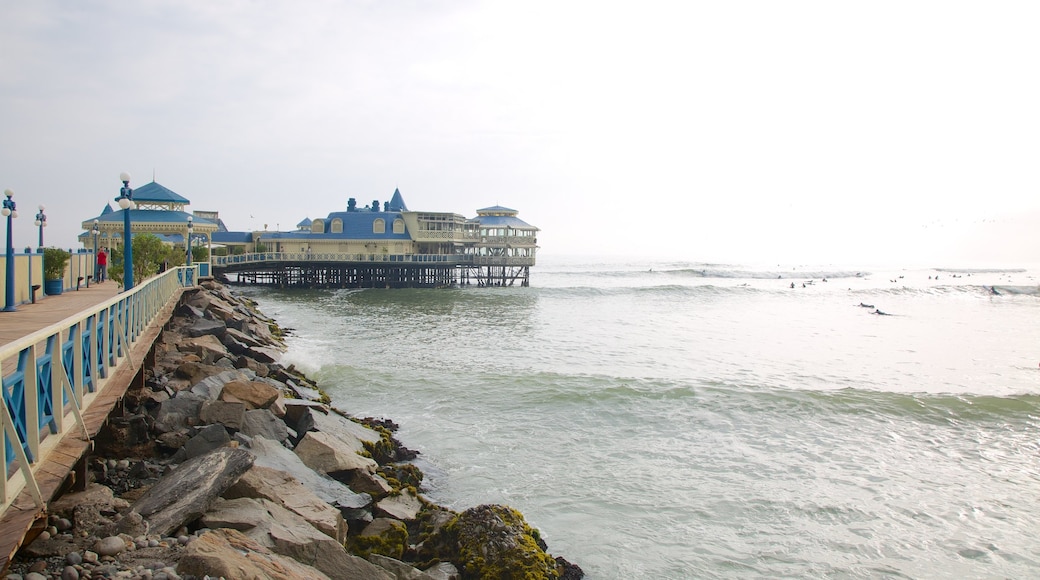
x,y
102,264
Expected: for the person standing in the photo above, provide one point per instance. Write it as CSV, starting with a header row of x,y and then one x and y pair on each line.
x,y
102,264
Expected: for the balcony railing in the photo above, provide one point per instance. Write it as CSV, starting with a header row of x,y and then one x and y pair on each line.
x,y
292,258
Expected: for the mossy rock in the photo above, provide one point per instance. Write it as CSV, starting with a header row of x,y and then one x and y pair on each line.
x,y
493,542
384,536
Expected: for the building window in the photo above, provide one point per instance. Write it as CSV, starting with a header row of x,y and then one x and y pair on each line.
x,y
337,226
379,226
318,226
398,226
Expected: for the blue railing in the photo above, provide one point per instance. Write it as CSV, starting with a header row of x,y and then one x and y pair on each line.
x,y
44,400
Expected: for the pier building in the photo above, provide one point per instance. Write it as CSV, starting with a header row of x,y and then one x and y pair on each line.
x,y
159,211
383,245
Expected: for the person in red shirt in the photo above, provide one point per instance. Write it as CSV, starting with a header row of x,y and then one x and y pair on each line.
x,y
102,264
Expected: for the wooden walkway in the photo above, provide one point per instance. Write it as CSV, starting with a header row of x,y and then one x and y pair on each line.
x,y
65,465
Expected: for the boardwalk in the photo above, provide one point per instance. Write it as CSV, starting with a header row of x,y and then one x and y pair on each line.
x,y
61,457
53,309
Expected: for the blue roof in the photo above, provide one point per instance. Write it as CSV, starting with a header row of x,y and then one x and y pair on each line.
x,y
304,223
503,221
397,201
232,237
497,208
153,192
153,216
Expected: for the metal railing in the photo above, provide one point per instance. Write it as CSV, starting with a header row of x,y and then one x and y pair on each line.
x,y
58,372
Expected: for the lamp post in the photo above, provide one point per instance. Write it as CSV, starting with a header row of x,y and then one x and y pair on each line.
x,y
10,213
126,202
41,222
95,231
191,226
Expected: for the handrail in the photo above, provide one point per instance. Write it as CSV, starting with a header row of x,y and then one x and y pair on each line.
x,y
311,257
44,400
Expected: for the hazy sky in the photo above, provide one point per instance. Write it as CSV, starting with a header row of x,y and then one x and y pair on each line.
x,y
750,131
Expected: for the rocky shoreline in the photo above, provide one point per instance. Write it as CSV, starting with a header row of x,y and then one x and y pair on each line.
x,y
226,464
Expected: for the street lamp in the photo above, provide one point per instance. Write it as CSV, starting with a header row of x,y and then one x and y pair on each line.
x,y
191,226
126,203
10,213
41,222
95,231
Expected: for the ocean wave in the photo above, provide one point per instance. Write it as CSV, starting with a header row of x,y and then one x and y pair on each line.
x,y
741,274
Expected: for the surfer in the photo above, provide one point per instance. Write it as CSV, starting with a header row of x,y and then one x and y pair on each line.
x,y
862,305
880,313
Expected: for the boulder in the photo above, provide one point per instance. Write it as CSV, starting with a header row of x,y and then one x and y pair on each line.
x,y
404,506
211,387
229,414
230,554
275,456
346,429
208,347
324,453
264,354
206,327
443,571
382,536
491,541
255,394
263,422
179,412
282,488
188,491
207,439
196,371
244,338
285,533
244,362
399,569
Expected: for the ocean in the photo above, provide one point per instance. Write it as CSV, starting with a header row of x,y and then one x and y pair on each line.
x,y
687,420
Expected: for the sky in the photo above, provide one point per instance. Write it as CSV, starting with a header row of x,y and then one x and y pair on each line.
x,y
884,132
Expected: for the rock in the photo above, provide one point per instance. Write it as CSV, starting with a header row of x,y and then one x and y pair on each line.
x,y
383,536
370,483
230,554
211,387
230,415
282,488
263,422
209,348
173,439
194,372
443,571
87,508
399,569
324,453
346,430
203,328
110,546
273,455
404,506
306,393
69,573
178,412
246,339
255,394
244,362
285,533
263,354
491,541
208,438
188,491
73,559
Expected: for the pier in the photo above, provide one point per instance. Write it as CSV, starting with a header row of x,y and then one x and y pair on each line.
x,y
347,270
66,362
